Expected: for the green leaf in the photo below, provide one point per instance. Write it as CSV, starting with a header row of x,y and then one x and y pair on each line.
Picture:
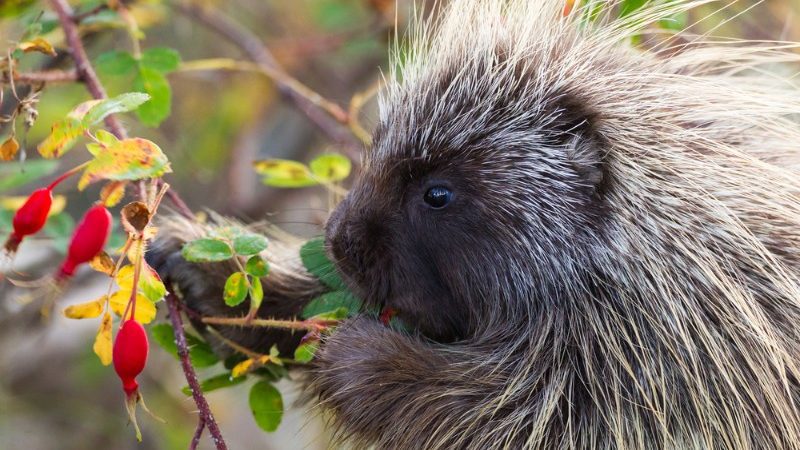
x,y
161,59
119,104
115,63
235,289
249,244
266,404
220,381
159,106
312,253
628,7
256,266
331,167
200,352
331,302
15,174
256,293
305,352
206,250
284,173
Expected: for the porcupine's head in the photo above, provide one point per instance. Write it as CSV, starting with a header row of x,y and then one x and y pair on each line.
x,y
525,159
611,234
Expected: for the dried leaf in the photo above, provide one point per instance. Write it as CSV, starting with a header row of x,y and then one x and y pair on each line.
x,y
331,167
112,193
135,217
102,342
38,45
103,263
9,149
128,159
88,310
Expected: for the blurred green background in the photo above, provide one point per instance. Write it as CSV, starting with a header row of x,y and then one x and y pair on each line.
x,y
54,394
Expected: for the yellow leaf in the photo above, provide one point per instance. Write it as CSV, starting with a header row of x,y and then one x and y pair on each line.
x,y
128,159
242,368
103,263
88,310
9,149
284,173
38,45
16,202
145,309
112,193
62,137
102,342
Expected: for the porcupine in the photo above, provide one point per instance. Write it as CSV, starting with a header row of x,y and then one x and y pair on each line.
x,y
595,246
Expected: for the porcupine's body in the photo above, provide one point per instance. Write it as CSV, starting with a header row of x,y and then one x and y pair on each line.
x,y
617,264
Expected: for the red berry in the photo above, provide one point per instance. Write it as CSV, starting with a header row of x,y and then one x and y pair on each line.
x,y
88,240
130,354
30,217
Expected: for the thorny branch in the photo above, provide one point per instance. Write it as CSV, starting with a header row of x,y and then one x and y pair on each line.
x,y
85,72
325,114
206,417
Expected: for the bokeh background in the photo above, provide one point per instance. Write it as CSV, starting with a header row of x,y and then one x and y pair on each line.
x,y
54,394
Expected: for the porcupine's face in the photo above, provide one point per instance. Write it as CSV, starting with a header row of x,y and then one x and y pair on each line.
x,y
465,204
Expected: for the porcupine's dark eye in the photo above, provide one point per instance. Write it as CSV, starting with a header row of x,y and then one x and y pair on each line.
x,y
438,197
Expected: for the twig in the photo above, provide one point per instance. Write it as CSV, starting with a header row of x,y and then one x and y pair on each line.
x,y
85,72
317,108
44,76
198,433
206,416
83,67
308,325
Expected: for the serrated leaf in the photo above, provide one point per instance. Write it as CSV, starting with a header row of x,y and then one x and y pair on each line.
x,y
119,104
220,381
13,175
331,167
9,149
63,135
128,159
38,45
235,290
115,63
266,404
102,342
159,106
200,352
161,59
206,250
145,309
87,310
331,303
312,253
256,266
284,173
250,244
150,284
305,352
